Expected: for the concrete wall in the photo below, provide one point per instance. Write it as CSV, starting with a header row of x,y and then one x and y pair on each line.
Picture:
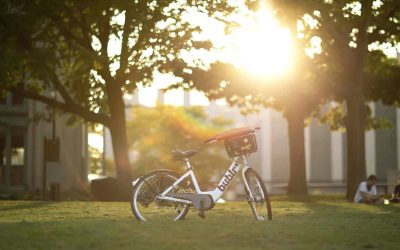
x,y
320,153
386,143
71,171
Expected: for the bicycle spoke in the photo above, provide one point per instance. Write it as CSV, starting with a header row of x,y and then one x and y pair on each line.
x,y
148,185
150,206
259,203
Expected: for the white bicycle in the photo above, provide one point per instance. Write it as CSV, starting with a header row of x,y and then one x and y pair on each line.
x,y
164,195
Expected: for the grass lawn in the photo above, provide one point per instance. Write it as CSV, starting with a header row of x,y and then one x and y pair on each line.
x,y
322,223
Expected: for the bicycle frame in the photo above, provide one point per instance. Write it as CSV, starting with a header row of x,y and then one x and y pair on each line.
x,y
222,185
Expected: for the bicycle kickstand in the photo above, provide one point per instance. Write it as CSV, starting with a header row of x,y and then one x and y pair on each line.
x,y
202,214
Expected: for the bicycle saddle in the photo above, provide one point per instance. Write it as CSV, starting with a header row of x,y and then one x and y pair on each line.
x,y
179,155
226,135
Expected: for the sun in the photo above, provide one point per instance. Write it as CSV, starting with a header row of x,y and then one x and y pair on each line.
x,y
261,46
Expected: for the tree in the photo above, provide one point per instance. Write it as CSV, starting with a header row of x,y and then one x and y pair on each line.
x,y
346,70
92,54
183,128
350,67
348,31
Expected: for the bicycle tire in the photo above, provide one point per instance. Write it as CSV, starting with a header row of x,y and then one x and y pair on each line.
x,y
260,204
139,187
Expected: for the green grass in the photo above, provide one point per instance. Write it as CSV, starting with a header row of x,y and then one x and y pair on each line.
x,y
322,223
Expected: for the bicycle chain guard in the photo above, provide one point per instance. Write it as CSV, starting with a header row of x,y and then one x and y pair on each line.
x,y
202,202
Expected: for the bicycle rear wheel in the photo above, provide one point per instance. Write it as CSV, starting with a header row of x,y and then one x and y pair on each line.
x,y
257,196
145,204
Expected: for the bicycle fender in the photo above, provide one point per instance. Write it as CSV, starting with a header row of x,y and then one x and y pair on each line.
x,y
151,173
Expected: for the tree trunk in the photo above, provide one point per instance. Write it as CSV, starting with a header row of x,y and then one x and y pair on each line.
x,y
121,158
119,140
295,116
355,132
297,177
355,101
120,148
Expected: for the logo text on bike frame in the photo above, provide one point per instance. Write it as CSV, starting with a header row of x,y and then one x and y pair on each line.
x,y
227,178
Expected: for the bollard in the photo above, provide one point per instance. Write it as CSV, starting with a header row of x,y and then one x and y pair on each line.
x,y
55,191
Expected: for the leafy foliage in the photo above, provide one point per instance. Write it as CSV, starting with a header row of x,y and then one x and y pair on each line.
x,y
335,117
349,34
336,30
155,132
81,48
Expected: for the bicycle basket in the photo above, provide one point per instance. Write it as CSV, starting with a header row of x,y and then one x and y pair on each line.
x,y
241,145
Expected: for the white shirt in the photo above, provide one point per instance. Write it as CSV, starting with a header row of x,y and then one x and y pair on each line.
x,y
363,188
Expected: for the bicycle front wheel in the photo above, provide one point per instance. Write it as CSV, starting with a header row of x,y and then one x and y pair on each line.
x,y
145,203
257,196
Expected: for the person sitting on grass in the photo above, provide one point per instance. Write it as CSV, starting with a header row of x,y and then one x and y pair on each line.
x,y
367,192
396,193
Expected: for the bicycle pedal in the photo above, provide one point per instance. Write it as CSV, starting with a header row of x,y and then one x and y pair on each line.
x,y
202,215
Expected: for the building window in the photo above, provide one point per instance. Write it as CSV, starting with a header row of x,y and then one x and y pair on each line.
x,y
17,157
17,160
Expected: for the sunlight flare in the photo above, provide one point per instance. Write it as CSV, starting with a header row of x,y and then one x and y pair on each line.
x,y
261,46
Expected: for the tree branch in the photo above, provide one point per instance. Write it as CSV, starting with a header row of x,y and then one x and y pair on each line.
x,y
58,85
124,55
104,35
147,26
66,107
81,24
68,34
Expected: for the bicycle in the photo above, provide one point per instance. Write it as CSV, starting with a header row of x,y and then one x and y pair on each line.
x,y
164,195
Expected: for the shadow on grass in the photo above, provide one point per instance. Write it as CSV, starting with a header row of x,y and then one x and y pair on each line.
x,y
307,198
28,205
348,206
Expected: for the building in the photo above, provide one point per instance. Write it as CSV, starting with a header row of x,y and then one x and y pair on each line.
x,y
21,148
325,149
